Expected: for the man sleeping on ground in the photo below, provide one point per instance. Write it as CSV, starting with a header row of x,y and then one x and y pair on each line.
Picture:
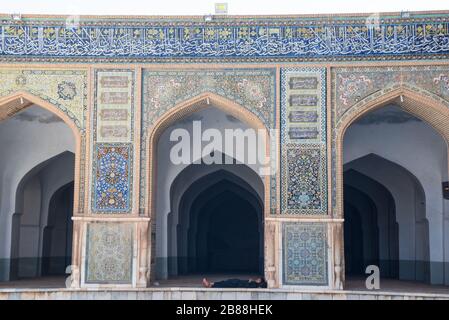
x,y
236,283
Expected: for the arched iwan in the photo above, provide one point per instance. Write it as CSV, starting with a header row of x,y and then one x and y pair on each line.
x,y
188,107
14,103
10,105
420,103
200,102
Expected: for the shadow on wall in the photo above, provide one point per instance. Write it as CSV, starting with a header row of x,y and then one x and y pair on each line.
x,y
219,228
374,233
41,226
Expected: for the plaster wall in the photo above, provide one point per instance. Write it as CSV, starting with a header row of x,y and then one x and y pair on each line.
x,y
27,141
420,155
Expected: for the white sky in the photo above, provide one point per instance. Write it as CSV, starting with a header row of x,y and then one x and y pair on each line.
x,y
201,7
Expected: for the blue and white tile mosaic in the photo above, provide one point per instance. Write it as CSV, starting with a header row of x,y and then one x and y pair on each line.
x,y
304,38
303,179
112,183
303,141
305,255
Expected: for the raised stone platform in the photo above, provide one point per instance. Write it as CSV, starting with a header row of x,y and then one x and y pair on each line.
x,y
188,288
209,294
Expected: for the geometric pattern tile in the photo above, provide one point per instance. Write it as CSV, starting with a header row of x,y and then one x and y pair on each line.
x,y
304,183
304,258
253,89
109,253
352,84
65,89
112,178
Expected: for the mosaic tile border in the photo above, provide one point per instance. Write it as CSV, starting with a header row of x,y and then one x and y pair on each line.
x,y
82,174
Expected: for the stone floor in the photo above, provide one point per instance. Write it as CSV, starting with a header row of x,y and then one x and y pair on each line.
x,y
194,281
38,283
392,285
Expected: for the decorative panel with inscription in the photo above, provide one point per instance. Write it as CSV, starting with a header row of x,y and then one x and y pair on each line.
x,y
303,141
305,258
250,38
113,137
303,113
109,253
114,105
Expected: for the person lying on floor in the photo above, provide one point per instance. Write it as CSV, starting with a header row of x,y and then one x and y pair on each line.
x,y
236,283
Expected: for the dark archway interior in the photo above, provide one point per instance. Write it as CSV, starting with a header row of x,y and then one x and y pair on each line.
x,y
225,230
57,239
227,235
353,237
53,227
370,221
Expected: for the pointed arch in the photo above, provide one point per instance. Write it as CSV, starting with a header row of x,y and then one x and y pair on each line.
x,y
21,100
418,102
185,108
200,102
207,186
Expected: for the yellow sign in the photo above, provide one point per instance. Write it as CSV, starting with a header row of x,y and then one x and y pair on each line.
x,y
221,8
